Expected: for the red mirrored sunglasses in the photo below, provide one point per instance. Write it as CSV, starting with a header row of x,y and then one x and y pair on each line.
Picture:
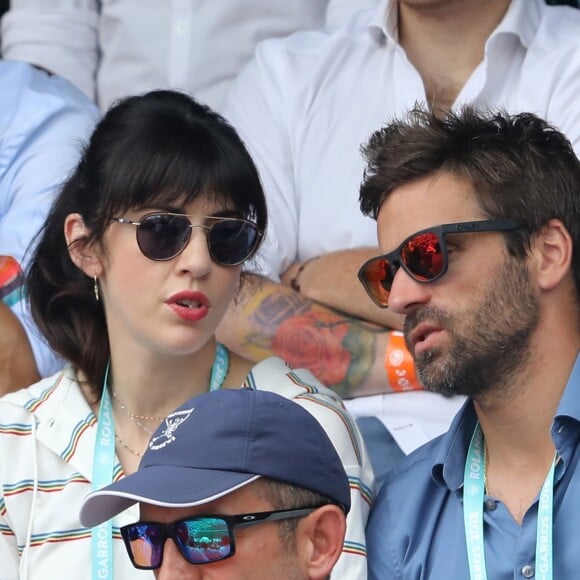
x,y
423,255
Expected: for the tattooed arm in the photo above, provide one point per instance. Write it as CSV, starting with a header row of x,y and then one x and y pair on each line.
x,y
342,351
331,280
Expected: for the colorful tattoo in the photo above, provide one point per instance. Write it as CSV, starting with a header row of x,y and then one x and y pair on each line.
x,y
337,349
11,280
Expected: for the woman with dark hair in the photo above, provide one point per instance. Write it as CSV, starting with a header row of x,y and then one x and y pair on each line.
x,y
139,259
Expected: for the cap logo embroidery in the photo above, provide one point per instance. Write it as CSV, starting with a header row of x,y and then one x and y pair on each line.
x,y
172,422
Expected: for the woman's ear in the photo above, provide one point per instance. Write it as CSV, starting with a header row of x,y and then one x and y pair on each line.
x,y
84,256
320,539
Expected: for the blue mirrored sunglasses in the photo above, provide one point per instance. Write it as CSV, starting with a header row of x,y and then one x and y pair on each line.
x,y
200,539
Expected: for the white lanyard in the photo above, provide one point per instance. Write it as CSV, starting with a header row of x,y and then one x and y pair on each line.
x,y
473,493
104,464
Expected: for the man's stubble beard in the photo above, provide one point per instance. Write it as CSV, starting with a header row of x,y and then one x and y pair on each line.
x,y
488,344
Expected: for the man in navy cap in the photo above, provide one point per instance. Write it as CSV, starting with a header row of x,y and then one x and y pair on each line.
x,y
235,484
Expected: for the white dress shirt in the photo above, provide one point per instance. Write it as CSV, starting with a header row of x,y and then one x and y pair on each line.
x,y
110,48
305,104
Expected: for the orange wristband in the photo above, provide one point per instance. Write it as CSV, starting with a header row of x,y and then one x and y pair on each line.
x,y
399,365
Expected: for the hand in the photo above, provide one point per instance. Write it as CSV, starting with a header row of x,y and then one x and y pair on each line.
x,y
331,280
290,273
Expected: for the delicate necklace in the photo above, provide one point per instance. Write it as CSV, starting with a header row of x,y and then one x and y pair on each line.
x,y
131,414
125,446
134,417
219,372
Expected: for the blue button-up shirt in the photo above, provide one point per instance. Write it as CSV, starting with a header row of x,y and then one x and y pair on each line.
x,y
44,121
416,528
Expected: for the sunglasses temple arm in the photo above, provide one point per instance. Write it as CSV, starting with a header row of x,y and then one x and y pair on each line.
x,y
283,515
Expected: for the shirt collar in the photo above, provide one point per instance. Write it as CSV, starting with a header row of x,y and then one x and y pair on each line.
x,y
66,424
383,25
522,20
449,462
570,402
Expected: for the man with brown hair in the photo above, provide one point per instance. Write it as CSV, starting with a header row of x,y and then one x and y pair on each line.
x,y
303,107
478,219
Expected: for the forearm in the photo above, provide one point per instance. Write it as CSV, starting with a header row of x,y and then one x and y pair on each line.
x,y
344,353
60,36
331,280
17,364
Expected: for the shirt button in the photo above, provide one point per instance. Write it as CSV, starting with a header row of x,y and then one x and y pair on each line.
x,y
490,505
527,571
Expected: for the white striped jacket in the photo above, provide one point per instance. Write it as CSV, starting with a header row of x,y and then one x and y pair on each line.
x,y
47,438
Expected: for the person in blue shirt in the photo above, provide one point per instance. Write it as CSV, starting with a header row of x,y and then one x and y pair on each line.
x,y
478,217
43,121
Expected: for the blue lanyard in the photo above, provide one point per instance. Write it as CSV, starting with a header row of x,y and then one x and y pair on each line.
x,y
473,492
104,464
220,368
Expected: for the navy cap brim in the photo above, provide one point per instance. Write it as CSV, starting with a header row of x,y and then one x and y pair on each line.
x,y
165,486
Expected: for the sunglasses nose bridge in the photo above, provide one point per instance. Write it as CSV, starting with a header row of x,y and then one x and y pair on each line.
x,y
408,291
173,563
394,266
190,236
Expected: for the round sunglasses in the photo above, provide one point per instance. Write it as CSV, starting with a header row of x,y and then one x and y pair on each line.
x,y
423,255
199,539
163,236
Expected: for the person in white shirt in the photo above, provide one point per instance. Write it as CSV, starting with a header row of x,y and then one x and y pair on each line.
x,y
304,106
113,48
44,120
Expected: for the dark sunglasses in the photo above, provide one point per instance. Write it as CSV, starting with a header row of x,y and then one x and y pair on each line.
x,y
162,236
423,255
199,539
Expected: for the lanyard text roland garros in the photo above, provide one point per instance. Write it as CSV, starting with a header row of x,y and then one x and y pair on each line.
x,y
473,493
104,464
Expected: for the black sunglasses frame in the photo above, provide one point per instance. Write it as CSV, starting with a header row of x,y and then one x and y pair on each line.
x,y
232,522
393,259
216,219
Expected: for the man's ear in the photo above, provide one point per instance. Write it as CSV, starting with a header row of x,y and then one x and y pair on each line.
x,y
84,256
319,540
552,251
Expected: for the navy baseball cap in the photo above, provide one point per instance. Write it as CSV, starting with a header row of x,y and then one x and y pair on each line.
x,y
217,443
